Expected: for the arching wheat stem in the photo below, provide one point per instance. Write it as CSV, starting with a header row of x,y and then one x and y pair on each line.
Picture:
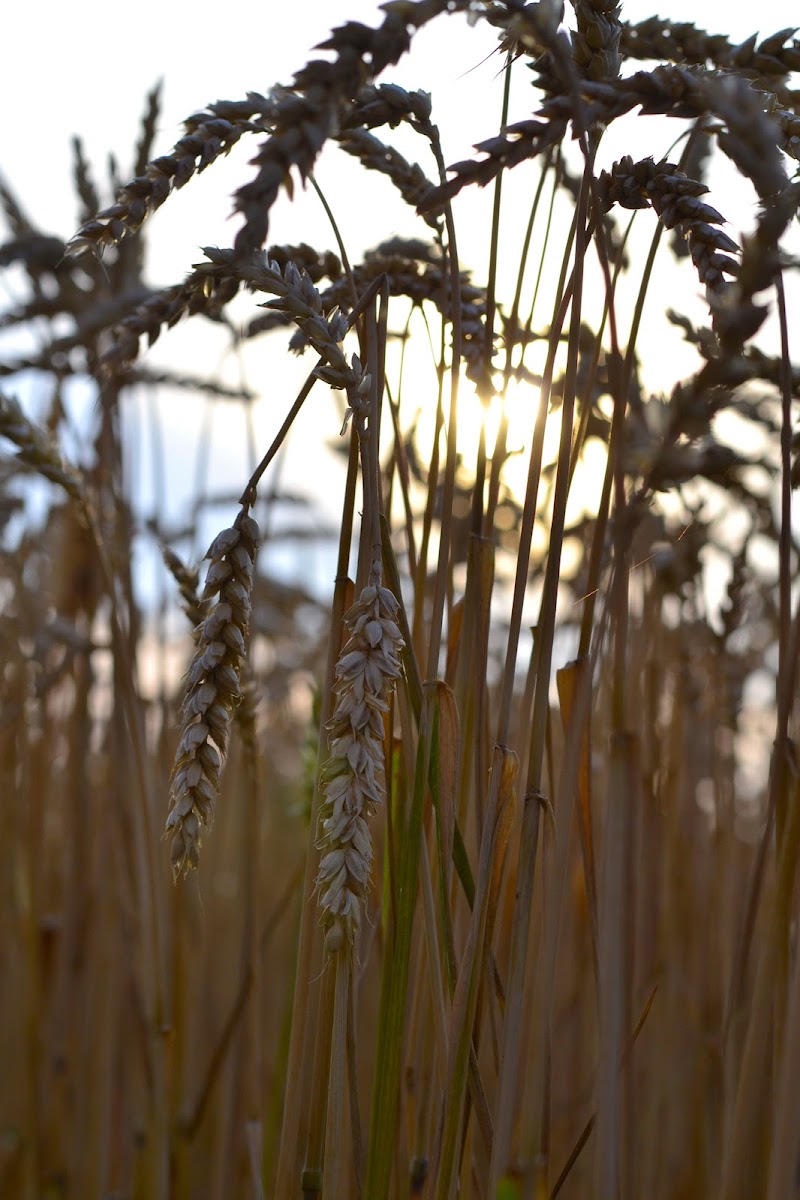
x,y
353,776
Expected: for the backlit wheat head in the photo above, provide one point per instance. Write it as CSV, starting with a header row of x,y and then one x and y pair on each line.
x,y
354,774
213,690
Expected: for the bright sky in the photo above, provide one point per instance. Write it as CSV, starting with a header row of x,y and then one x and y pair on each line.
x,y
75,69
72,68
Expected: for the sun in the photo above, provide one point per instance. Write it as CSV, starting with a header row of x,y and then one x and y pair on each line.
x,y
518,405
513,407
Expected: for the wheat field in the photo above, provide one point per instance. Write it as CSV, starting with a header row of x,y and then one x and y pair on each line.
x,y
435,834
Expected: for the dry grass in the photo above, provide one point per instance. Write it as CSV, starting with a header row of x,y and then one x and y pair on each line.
x,y
480,914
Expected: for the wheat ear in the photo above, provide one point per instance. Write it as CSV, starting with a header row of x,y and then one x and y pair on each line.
x,y
213,690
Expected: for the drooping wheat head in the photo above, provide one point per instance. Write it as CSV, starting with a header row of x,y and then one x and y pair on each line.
x,y
213,689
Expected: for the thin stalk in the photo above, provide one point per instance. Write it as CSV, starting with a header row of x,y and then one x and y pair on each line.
x,y
563,298
621,391
785,666
440,586
248,495
465,999
400,461
427,516
615,948
331,1049
352,1079
533,794
313,1173
394,981
499,452
348,270
485,388
295,1078
789,654
334,1147
149,893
